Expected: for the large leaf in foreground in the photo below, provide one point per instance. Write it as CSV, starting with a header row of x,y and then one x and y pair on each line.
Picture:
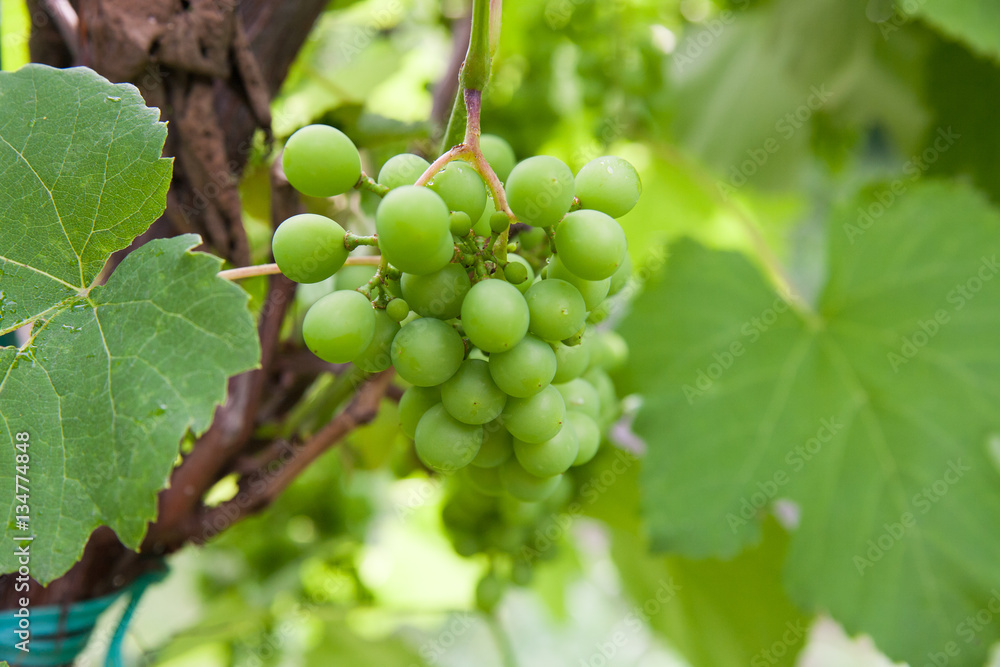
x,y
80,177
875,416
106,390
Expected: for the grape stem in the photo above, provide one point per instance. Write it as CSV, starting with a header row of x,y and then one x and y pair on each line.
x,y
272,269
366,182
352,241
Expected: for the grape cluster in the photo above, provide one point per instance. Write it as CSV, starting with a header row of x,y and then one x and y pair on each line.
x,y
491,325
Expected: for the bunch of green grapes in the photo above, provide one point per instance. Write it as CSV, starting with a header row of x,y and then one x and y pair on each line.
x,y
508,380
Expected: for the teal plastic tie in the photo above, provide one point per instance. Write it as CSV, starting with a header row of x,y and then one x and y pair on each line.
x,y
60,633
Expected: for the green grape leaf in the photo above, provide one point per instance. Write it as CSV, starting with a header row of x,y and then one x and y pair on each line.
x,y
717,612
876,416
112,375
975,23
106,389
80,177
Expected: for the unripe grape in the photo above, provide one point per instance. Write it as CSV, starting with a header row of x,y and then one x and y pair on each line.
x,y
414,402
588,436
529,273
591,244
499,222
397,309
571,362
439,294
321,161
581,396
461,224
414,230
494,315
525,369
498,445
484,480
309,248
375,358
461,188
608,184
592,291
540,190
445,444
608,350
556,308
536,418
353,277
402,169
471,396
532,238
482,226
524,486
621,276
339,327
515,272
610,405
499,154
426,352
552,457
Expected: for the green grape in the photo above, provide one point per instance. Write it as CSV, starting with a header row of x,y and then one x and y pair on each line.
x,y
608,184
498,445
610,405
489,592
465,544
551,457
504,538
484,480
540,190
621,276
536,418
571,362
524,486
461,188
557,311
339,326
519,512
445,444
471,396
608,350
525,369
309,248
592,291
414,402
580,396
591,244
402,169
439,294
426,352
414,230
397,309
494,315
353,277
588,436
529,273
375,357
515,272
461,223
499,154
482,226
521,573
321,161
562,494
499,222
532,238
